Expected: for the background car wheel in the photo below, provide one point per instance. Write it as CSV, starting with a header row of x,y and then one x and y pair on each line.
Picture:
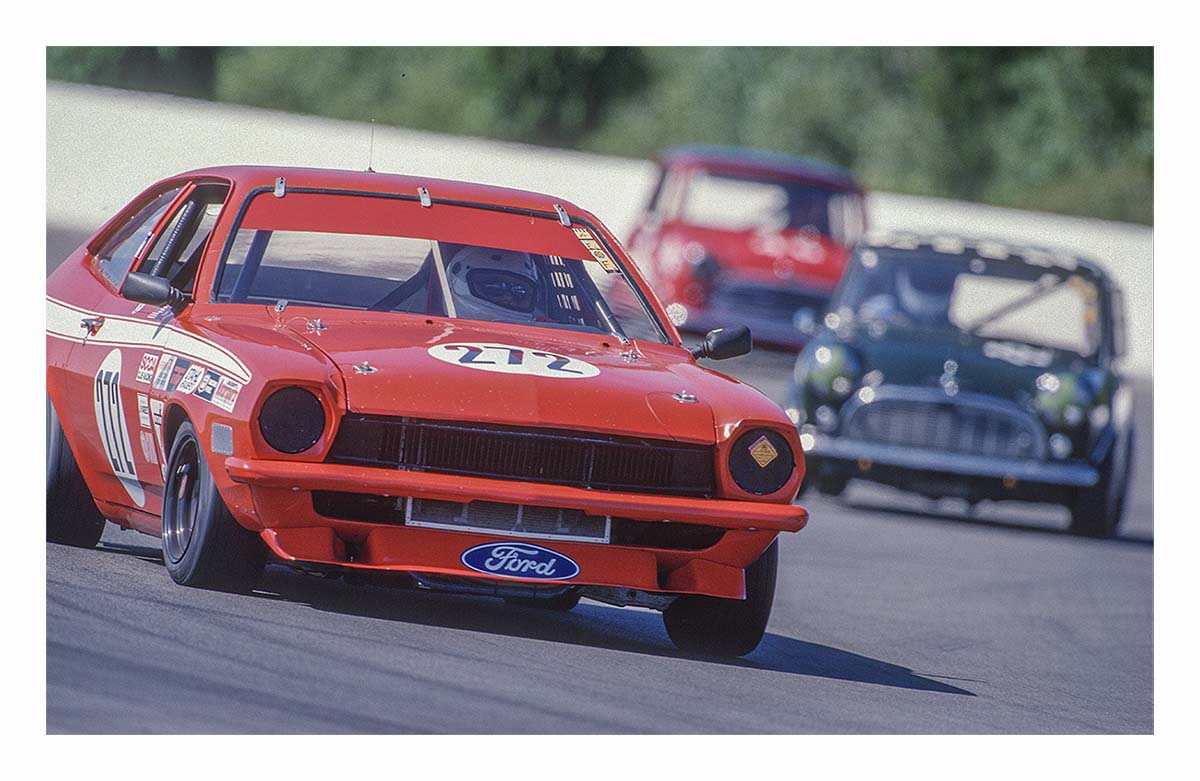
x,y
726,627
1097,512
72,518
563,602
832,485
202,544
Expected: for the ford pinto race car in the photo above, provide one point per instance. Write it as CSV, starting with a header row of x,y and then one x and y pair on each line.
x,y
352,372
738,235
971,369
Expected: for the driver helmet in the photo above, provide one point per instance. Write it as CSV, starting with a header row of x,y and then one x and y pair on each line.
x,y
494,284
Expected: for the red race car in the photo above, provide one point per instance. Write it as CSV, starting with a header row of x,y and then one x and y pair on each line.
x,y
760,238
351,371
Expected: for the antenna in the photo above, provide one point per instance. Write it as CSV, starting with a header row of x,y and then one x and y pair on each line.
x,y
371,153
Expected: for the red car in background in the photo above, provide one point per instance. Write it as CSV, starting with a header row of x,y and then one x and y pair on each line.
x,y
352,372
737,236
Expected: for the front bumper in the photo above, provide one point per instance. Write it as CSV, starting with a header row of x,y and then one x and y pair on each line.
x,y
285,516
1068,474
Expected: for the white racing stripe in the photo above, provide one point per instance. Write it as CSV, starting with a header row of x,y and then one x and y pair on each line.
x,y
63,322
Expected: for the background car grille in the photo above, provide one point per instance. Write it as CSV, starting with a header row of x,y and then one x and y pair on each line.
x,y
947,426
769,301
553,456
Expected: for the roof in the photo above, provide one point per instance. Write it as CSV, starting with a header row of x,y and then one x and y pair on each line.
x,y
995,249
761,161
251,176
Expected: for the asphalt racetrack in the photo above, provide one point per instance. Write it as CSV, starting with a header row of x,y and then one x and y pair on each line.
x,y
893,614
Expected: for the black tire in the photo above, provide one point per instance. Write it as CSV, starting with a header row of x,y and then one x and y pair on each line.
x,y
726,627
203,546
562,603
1097,512
832,485
72,517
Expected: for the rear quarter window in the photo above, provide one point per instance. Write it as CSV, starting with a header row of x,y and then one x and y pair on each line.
x,y
117,254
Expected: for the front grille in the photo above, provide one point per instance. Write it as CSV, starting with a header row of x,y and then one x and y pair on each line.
x,y
571,458
974,427
514,520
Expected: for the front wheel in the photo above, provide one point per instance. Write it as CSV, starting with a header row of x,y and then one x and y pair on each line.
x,y
1097,512
202,544
726,627
562,603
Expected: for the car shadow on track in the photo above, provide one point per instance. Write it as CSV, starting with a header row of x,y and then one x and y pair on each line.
x,y
590,624
968,518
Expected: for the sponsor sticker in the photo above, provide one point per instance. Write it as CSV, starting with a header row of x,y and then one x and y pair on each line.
x,y
145,372
156,416
226,394
763,452
163,375
143,410
520,560
191,378
509,359
208,385
596,250
148,449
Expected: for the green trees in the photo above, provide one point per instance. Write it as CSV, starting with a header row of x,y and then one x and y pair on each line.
x,y
1064,129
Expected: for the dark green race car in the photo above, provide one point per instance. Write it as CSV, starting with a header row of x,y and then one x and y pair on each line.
x,y
975,370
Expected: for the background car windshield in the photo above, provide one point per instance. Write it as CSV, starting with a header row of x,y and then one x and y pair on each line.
x,y
741,203
428,277
995,299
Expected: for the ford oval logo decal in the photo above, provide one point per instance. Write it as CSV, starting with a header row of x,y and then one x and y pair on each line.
x,y
520,560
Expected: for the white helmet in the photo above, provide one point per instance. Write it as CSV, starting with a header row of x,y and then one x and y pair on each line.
x,y
494,284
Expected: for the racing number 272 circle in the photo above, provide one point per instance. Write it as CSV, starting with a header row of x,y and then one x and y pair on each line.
x,y
509,359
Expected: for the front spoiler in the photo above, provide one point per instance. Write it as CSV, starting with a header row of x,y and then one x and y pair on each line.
x,y
1075,475
723,513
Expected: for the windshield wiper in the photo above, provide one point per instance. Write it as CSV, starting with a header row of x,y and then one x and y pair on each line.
x,y
1038,291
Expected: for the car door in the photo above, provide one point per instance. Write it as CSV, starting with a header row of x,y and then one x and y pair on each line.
x,y
108,378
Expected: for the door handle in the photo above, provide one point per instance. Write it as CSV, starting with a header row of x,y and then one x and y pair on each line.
x,y
92,324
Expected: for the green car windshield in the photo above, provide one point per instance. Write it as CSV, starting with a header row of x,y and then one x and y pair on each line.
x,y
994,299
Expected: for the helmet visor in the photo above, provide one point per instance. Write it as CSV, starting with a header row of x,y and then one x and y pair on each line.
x,y
503,288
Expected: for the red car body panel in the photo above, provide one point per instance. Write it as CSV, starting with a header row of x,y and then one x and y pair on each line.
x,y
123,377
762,265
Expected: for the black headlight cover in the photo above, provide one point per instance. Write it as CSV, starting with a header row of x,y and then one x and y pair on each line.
x,y
291,420
761,461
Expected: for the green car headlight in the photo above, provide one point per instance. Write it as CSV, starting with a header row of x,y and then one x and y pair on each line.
x,y
833,372
1062,400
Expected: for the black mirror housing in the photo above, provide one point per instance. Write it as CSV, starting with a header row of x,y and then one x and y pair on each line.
x,y
151,289
722,343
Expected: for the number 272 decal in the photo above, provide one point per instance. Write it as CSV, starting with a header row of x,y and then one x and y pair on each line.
x,y
509,359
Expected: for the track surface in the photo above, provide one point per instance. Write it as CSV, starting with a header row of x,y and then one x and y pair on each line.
x,y
893,614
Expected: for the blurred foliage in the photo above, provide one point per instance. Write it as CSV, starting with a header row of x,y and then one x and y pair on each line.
x,y
1063,129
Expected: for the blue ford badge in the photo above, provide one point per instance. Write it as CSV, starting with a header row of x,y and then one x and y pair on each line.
x,y
520,560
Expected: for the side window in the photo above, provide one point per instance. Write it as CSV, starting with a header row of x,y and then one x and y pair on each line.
x,y
117,254
177,250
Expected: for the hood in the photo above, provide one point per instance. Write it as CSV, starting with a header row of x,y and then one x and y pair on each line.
x,y
979,365
438,368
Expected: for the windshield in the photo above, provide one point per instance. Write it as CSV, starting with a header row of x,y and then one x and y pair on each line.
x,y
511,282
740,203
994,299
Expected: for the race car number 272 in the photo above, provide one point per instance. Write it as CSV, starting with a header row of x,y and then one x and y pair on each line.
x,y
110,418
510,359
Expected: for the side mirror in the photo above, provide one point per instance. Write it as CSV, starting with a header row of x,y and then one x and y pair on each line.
x,y
723,343
149,289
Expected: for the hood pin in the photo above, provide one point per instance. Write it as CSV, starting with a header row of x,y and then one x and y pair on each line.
x,y
683,397
364,368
